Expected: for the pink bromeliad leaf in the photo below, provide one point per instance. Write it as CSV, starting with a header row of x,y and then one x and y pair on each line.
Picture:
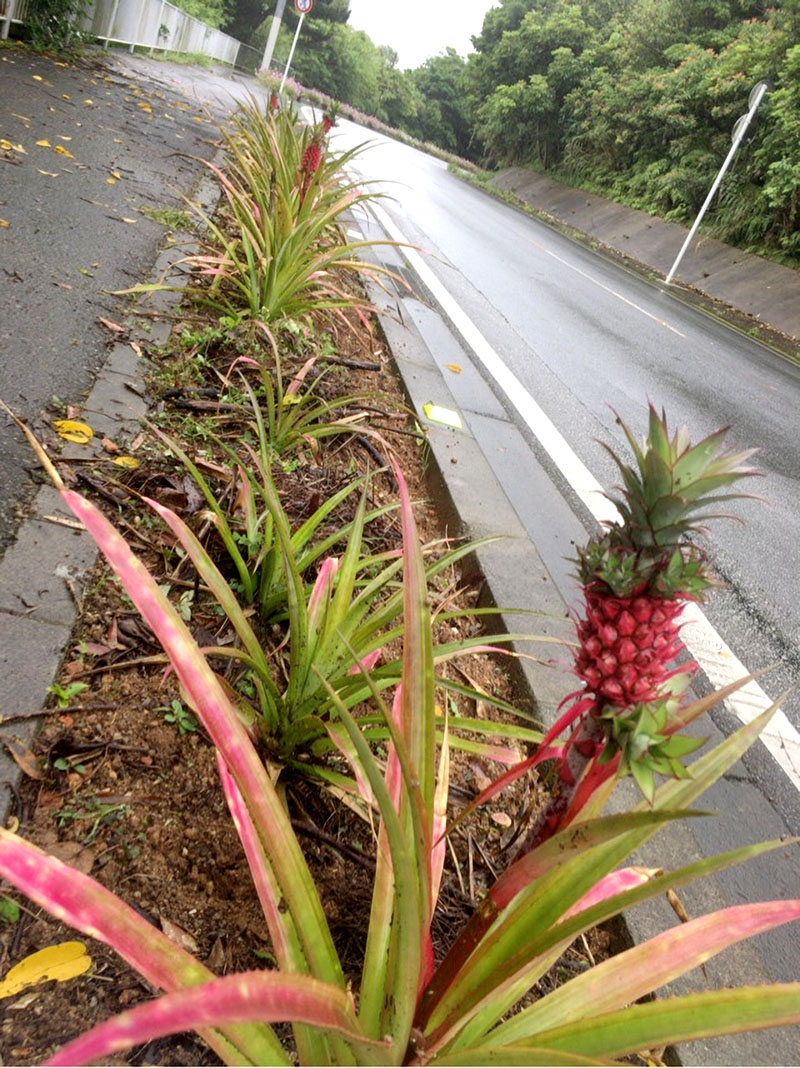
x,y
242,998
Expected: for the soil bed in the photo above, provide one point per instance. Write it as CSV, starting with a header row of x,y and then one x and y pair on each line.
x,y
129,789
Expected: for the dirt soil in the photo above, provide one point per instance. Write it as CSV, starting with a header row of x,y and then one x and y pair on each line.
x,y
125,784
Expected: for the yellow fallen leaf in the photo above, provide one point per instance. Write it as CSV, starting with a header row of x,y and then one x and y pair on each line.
x,y
10,146
63,151
37,78
117,140
129,462
44,143
66,96
131,221
60,962
72,430
4,224
89,102
111,181
117,175
454,368
63,137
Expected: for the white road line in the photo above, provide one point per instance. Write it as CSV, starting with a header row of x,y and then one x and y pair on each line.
x,y
714,656
608,289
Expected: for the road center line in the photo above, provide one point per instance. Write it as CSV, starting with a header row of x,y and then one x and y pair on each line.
x,y
714,656
608,289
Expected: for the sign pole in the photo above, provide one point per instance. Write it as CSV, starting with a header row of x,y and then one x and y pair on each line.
x,y
302,7
291,53
739,130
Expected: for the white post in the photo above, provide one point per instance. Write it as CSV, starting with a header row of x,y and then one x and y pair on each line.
x,y
740,130
111,21
5,19
291,52
273,34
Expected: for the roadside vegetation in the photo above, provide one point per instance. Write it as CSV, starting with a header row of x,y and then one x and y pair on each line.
x,y
634,100
314,636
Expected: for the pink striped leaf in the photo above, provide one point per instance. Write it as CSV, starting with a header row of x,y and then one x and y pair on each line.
x,y
84,904
228,735
236,999
671,1020
638,971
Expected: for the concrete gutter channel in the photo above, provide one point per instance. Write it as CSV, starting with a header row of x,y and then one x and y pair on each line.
x,y
475,478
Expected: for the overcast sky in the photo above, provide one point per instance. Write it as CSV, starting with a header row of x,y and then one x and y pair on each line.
x,y
418,29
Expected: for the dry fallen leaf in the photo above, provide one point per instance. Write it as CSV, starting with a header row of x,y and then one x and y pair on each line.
x,y
64,137
4,224
109,324
72,430
126,220
128,462
178,935
44,143
453,367
63,151
109,445
11,146
48,174
22,755
60,962
37,77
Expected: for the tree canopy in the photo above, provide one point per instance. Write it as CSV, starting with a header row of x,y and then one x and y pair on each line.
x,y
633,98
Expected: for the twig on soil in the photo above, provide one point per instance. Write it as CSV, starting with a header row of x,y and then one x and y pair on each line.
x,y
485,859
312,831
157,658
470,868
50,711
353,365
457,867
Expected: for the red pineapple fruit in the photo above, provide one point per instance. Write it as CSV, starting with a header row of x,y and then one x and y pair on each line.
x,y
638,573
312,157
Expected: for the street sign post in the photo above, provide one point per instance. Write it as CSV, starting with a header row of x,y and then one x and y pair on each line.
x,y
303,6
739,130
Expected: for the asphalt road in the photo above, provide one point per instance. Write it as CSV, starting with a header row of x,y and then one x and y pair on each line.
x,y
76,225
588,339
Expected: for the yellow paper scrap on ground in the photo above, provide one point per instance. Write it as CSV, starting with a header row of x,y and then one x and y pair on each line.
x,y
437,414
60,962
72,430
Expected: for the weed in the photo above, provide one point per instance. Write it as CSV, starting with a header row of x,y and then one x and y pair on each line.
x,y
179,714
64,694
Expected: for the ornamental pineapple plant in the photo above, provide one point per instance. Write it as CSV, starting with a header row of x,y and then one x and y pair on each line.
x,y
636,577
638,574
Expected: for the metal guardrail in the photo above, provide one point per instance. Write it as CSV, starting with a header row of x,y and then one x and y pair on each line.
x,y
153,24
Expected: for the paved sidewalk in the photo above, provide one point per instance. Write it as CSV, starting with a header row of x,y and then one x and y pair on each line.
x,y
766,292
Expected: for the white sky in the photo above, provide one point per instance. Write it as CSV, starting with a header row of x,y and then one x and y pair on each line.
x,y
418,29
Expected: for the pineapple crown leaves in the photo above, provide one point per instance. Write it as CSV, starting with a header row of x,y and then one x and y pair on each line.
x,y
666,494
641,735
672,480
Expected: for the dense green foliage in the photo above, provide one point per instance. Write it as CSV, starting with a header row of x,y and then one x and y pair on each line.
x,y
638,97
633,98
213,12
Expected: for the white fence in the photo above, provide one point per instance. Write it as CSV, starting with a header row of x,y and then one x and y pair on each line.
x,y
153,24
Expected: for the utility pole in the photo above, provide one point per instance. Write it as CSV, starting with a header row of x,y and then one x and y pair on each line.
x,y
273,34
739,130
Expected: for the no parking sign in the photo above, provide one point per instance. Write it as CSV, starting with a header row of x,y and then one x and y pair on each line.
x,y
303,6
